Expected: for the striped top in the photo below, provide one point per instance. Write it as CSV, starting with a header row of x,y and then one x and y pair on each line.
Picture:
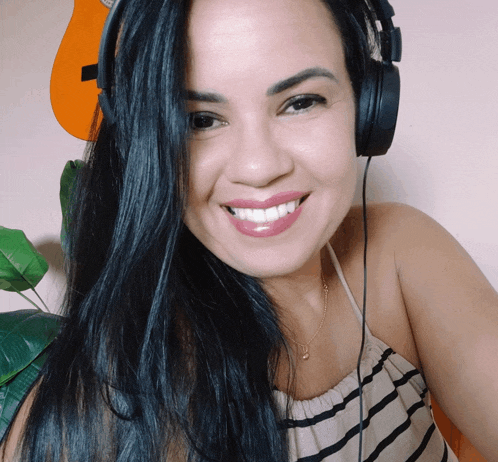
x,y
398,422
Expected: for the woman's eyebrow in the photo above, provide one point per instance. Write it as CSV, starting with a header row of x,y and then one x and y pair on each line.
x,y
205,97
298,78
282,85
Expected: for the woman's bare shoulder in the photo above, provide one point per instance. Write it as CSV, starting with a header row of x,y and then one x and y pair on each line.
x,y
385,220
11,444
382,213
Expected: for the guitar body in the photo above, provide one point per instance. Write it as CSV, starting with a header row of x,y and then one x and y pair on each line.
x,y
459,444
73,100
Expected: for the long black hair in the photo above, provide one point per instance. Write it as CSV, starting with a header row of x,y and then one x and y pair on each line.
x,y
166,352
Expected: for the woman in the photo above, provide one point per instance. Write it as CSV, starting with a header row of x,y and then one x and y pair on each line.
x,y
208,315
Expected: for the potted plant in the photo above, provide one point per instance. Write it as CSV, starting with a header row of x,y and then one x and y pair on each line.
x,y
26,334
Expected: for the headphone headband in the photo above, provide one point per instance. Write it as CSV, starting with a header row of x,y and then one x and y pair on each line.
x,y
106,58
390,36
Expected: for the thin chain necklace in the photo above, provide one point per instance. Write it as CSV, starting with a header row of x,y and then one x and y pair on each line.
x,y
305,353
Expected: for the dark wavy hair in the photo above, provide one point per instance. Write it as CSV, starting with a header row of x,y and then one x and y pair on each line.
x,y
165,350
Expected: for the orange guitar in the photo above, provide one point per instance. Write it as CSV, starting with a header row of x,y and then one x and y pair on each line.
x,y
460,445
73,88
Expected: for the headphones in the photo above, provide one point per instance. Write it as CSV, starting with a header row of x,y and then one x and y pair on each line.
x,y
377,107
105,66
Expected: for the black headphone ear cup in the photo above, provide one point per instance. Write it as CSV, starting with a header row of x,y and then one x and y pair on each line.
x,y
377,109
365,108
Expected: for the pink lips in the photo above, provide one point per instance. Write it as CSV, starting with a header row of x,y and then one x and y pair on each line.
x,y
268,229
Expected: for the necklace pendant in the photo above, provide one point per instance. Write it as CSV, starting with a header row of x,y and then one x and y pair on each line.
x,y
305,354
303,349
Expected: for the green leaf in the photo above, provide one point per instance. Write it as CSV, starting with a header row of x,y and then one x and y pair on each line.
x,y
13,392
68,182
23,336
21,264
67,189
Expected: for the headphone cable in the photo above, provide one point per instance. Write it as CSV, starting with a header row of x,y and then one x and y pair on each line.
x,y
365,236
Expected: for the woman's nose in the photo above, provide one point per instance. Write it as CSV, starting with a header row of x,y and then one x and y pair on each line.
x,y
257,157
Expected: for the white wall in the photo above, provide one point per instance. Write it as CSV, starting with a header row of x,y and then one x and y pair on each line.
x,y
444,159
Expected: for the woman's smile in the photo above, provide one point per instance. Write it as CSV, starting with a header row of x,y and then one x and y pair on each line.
x,y
266,222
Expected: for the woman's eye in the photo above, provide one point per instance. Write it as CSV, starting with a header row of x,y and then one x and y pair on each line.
x,y
303,103
201,121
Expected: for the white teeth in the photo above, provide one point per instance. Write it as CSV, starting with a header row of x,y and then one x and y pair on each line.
x,y
259,216
265,215
272,214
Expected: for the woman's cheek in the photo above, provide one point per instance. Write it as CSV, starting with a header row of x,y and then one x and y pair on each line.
x,y
206,164
326,147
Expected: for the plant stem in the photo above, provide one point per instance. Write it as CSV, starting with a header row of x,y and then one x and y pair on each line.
x,y
28,299
41,300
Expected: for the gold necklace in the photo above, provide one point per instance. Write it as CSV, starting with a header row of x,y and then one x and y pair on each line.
x,y
305,353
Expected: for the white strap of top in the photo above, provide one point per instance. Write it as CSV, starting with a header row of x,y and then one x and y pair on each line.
x,y
338,269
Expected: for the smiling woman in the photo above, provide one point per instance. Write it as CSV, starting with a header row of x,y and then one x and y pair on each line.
x,y
284,137
216,260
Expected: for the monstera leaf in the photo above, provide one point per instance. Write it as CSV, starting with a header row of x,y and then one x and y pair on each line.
x,y
21,265
24,337
67,189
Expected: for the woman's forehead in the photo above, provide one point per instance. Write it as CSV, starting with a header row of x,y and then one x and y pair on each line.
x,y
229,19
243,37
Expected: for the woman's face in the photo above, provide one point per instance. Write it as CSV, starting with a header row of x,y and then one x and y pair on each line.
x,y
273,161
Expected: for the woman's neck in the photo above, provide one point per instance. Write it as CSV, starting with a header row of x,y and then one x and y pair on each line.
x,y
299,298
